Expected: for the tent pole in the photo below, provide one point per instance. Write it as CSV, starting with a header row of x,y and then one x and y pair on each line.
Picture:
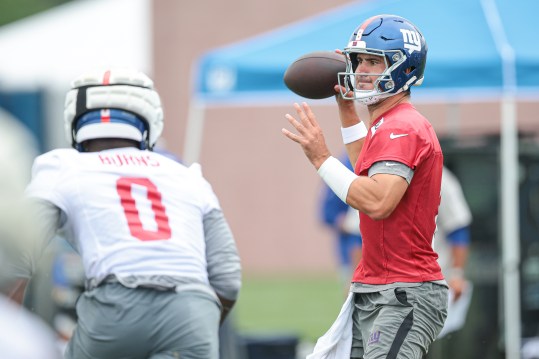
x,y
193,132
509,167
510,228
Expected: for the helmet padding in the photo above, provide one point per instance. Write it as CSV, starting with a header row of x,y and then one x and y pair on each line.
x,y
125,90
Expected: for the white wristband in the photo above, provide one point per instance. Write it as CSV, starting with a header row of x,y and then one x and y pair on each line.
x,y
353,133
337,176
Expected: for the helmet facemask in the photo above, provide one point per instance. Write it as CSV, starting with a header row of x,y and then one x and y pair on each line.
x,y
383,86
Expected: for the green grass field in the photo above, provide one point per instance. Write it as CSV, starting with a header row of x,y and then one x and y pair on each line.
x,y
303,306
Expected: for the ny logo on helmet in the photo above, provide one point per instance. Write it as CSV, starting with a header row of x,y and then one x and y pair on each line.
x,y
411,40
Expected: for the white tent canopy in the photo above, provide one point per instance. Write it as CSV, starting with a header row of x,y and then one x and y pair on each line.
x,y
48,50
51,48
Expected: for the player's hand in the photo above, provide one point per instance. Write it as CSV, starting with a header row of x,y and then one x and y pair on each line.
x,y
310,136
226,307
348,102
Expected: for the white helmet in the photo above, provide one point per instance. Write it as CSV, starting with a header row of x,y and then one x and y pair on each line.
x,y
116,103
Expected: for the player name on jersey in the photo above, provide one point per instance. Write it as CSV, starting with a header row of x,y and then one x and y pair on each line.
x,y
119,160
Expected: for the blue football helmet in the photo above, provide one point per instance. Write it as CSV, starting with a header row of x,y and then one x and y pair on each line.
x,y
403,48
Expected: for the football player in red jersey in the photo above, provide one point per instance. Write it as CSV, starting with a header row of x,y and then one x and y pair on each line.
x,y
398,296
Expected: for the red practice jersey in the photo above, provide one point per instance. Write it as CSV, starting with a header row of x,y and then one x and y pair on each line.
x,y
399,248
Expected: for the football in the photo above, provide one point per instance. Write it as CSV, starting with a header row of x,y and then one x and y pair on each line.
x,y
314,75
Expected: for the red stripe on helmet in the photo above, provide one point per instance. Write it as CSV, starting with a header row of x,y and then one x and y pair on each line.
x,y
106,77
105,115
364,26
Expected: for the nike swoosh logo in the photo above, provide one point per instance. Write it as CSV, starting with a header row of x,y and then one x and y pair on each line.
x,y
393,136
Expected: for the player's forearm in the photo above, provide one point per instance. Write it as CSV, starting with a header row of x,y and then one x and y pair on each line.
x,y
347,112
349,117
455,275
376,196
460,257
223,261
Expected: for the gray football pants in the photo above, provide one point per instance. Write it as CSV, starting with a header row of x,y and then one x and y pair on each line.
x,y
398,323
116,322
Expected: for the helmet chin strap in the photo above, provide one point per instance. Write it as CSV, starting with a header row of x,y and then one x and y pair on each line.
x,y
367,101
370,97
373,97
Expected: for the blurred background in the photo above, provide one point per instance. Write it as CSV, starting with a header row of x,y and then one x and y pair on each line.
x,y
218,67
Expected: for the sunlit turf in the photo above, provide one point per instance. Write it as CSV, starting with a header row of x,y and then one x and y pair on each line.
x,y
304,306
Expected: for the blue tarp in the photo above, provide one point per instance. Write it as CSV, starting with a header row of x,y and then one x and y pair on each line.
x,y
462,59
28,107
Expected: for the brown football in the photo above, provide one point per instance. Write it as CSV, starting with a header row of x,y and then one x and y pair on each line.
x,y
314,75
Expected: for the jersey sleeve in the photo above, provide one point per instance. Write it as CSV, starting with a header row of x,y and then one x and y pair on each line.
x,y
398,142
224,266
47,174
211,201
38,225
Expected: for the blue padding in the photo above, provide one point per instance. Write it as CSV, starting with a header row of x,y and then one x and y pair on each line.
x,y
116,116
459,237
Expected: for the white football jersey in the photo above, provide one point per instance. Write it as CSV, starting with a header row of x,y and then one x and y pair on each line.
x,y
453,213
129,212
